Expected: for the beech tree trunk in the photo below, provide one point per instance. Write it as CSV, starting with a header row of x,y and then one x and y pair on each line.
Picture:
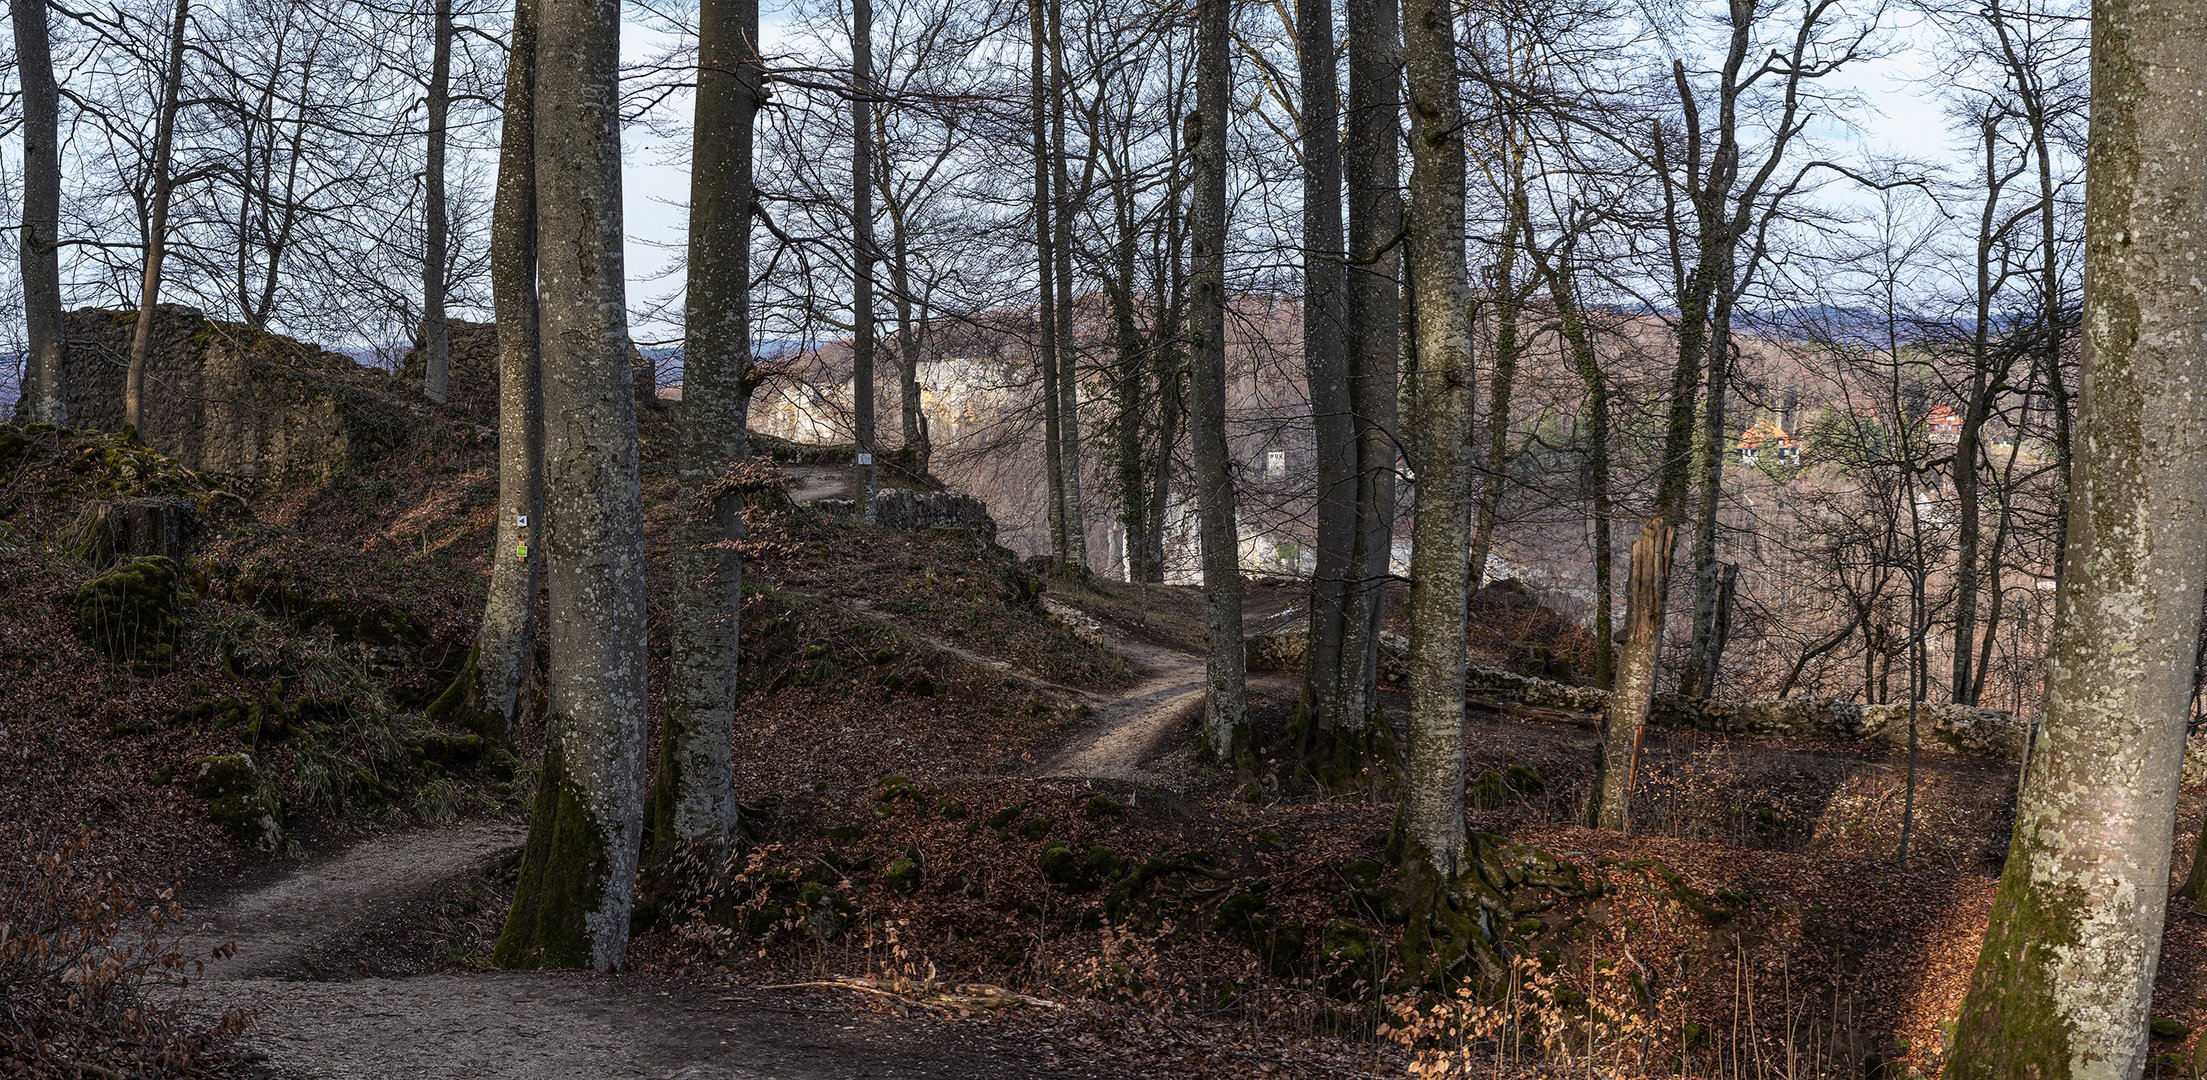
x,y
42,399
1430,821
1046,278
693,796
2064,982
1068,355
1372,338
163,184
1325,369
1226,703
436,343
482,698
862,254
576,880
1617,759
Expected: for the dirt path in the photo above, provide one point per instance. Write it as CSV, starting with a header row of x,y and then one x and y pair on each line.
x,y
305,939
1128,729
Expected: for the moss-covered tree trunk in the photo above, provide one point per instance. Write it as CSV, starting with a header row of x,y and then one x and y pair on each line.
x,y
42,399
693,797
2065,978
576,884
482,697
1226,702
1372,337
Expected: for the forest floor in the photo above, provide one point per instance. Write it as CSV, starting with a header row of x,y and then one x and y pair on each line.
x,y
957,769
337,961
354,962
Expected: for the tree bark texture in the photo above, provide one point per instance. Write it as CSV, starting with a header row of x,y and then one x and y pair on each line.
x,y
1431,817
1625,722
1372,337
484,695
42,398
575,886
1226,703
1325,369
2065,977
693,797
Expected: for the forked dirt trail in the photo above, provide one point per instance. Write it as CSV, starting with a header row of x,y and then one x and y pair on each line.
x,y
327,963
311,942
1127,731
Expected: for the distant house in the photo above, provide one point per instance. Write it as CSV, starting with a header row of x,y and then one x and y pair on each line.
x,y
1767,438
1943,424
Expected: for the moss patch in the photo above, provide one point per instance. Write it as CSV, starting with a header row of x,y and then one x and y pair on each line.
x,y
240,800
562,880
2011,1024
131,611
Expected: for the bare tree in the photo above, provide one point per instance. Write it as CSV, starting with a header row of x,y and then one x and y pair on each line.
x,y
693,799
1226,702
1325,367
436,343
1372,311
163,183
1430,823
483,695
42,399
862,253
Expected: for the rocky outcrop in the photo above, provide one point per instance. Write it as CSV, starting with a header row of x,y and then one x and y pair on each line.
x,y
241,404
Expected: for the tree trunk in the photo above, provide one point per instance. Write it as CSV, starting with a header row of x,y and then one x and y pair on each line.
x,y
693,796
2064,981
1579,340
1431,818
1372,338
572,898
436,342
1046,279
1075,556
42,399
1333,417
1625,722
862,255
482,697
1699,677
157,221
1129,405
1501,380
1226,702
